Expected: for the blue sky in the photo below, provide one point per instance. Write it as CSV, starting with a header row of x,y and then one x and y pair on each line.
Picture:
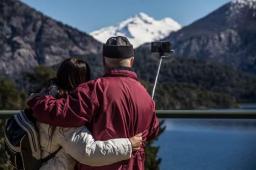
x,y
90,15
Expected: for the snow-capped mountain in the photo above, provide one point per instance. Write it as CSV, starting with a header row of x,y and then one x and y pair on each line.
x,y
139,29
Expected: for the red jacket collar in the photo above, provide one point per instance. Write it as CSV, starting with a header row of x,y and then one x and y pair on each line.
x,y
121,72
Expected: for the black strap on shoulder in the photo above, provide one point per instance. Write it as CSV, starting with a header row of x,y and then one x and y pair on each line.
x,y
52,155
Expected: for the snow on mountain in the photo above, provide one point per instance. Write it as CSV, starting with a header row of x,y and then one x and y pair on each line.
x,y
139,29
237,7
245,3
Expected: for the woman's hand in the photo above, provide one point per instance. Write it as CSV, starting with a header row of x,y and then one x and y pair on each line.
x,y
136,141
32,96
43,92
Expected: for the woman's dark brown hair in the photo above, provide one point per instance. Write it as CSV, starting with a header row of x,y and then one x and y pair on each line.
x,y
71,73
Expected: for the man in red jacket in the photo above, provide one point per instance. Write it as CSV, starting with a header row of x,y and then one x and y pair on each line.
x,y
115,105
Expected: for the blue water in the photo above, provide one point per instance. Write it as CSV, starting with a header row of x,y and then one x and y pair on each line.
x,y
208,145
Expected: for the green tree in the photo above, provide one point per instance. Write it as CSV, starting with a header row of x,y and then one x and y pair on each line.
x,y
3,165
36,80
10,97
152,161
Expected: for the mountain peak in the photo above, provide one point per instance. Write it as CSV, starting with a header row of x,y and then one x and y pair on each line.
x,y
226,35
144,17
139,29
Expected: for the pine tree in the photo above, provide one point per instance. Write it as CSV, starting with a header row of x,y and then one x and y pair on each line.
x,y
152,161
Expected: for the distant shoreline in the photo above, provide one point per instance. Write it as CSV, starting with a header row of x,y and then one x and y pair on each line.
x,y
247,106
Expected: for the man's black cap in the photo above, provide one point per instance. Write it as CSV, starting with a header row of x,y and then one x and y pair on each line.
x,y
118,47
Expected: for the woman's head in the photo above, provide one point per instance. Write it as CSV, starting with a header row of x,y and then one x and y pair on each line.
x,y
71,73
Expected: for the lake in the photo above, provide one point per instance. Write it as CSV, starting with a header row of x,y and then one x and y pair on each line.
x,y
191,144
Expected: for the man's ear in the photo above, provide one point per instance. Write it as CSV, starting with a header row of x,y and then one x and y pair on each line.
x,y
132,61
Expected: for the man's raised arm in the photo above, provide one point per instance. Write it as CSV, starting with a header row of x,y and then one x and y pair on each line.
x,y
75,110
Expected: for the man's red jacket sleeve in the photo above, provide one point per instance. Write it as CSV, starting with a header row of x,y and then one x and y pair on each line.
x,y
154,128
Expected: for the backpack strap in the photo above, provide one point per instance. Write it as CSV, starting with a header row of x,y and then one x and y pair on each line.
x,y
32,133
52,155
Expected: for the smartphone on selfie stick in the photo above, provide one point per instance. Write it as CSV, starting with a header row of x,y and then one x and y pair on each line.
x,y
164,49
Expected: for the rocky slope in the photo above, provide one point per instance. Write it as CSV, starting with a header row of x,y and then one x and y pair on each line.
x,y
29,38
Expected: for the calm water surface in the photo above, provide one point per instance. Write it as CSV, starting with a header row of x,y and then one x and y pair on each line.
x,y
208,145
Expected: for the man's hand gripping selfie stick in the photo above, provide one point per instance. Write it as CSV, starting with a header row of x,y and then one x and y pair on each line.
x,y
161,48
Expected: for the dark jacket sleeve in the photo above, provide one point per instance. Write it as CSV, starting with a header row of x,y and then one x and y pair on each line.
x,y
75,110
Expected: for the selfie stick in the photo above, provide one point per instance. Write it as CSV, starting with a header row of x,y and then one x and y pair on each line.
x,y
157,74
162,56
